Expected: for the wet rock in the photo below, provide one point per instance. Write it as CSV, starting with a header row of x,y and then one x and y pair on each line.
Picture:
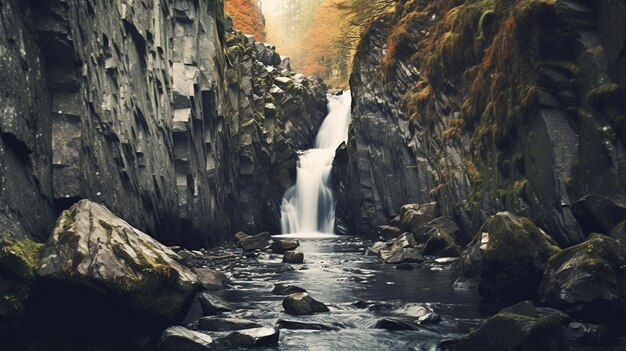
x,y
298,325
212,304
389,232
280,246
240,236
588,281
257,337
372,305
587,334
285,268
396,324
303,304
378,246
97,264
518,328
619,232
446,260
506,259
226,324
293,257
422,313
211,279
406,254
404,266
256,242
599,214
183,339
413,217
282,289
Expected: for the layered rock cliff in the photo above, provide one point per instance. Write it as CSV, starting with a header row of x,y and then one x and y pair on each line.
x,y
159,110
485,106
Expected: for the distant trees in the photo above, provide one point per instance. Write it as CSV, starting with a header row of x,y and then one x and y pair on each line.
x,y
247,17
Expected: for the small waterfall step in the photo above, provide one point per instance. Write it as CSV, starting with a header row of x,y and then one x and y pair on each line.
x,y
309,206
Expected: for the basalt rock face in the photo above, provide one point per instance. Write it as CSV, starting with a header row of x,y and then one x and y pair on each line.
x,y
489,106
159,110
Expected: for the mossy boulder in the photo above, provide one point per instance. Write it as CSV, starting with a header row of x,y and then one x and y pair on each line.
x,y
506,258
519,328
18,262
588,280
97,265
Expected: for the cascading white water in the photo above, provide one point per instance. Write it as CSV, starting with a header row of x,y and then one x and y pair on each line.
x,y
308,206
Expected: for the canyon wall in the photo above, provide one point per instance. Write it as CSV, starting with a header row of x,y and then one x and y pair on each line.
x,y
485,106
157,109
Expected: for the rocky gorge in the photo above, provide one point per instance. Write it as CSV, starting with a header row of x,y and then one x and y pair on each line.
x,y
148,148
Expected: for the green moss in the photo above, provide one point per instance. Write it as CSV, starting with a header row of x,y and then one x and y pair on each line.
x,y
106,226
18,263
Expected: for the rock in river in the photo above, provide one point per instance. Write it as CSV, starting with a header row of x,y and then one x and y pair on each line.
x,y
298,325
280,246
212,304
588,280
506,259
257,337
183,339
293,257
256,242
96,264
303,304
211,279
226,324
518,328
282,289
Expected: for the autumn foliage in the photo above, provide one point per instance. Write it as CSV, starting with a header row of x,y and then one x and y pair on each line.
x,y
247,17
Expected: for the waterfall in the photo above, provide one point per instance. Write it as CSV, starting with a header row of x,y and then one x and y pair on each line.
x,y
309,206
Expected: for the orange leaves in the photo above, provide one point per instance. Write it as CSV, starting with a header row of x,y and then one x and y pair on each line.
x,y
247,17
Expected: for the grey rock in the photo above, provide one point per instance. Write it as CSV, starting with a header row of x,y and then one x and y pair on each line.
x,y
303,304
280,246
299,325
182,339
506,259
282,289
226,324
211,279
257,337
396,324
256,242
293,257
212,304
92,252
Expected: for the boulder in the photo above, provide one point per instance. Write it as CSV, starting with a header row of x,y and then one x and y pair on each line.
x,y
389,232
282,289
519,328
257,337
96,264
211,279
599,214
619,232
183,339
415,216
588,281
396,324
19,258
587,334
506,259
401,249
226,324
256,242
303,304
280,246
293,257
212,304
419,312
298,325
240,236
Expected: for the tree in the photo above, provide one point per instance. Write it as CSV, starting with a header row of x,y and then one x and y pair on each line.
x,y
247,17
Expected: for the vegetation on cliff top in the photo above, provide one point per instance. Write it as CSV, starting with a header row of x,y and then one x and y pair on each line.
x,y
247,17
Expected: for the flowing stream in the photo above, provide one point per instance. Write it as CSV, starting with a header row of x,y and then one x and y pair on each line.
x,y
308,206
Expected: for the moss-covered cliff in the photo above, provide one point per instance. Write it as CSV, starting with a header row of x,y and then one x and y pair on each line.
x,y
492,105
